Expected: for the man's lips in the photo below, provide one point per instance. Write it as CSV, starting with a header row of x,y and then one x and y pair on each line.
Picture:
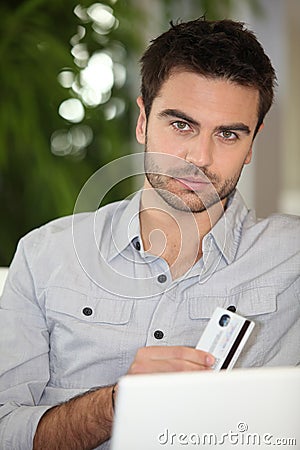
x,y
193,184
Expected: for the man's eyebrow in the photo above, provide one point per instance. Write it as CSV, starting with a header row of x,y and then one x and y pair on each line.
x,y
179,115
234,127
239,126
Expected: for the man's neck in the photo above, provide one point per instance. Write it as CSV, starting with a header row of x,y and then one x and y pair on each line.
x,y
175,235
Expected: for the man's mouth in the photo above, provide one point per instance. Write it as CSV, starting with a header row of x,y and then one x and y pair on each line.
x,y
193,184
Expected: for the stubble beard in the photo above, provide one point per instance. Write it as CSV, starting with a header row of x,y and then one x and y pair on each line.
x,y
184,200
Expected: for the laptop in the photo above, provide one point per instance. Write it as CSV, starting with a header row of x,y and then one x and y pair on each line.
x,y
257,408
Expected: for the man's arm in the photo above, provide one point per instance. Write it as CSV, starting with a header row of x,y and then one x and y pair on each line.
x,y
85,422
82,423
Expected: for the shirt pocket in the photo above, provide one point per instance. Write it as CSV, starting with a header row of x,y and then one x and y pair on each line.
x,y
88,336
257,303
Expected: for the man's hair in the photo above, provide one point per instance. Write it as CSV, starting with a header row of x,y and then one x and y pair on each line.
x,y
214,49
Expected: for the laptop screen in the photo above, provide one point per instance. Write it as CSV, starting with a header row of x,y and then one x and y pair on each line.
x,y
243,408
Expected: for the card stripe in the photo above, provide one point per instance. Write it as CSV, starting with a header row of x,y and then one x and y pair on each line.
x,y
236,344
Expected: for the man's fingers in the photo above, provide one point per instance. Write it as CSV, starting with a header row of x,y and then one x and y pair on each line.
x,y
177,352
186,353
170,359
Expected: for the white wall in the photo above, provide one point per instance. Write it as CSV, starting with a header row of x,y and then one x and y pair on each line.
x,y
272,184
3,274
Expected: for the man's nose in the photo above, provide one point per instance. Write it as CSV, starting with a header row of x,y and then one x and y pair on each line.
x,y
200,150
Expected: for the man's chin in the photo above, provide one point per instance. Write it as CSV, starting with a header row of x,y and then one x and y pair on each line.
x,y
189,202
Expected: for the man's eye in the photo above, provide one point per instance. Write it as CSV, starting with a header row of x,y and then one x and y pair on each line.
x,y
228,135
181,126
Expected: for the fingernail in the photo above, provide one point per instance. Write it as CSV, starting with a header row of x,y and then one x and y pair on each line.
x,y
209,360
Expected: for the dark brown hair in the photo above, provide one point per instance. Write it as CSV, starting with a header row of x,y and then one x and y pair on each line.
x,y
215,49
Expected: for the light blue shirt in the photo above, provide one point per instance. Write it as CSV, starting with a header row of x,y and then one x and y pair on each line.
x,y
82,296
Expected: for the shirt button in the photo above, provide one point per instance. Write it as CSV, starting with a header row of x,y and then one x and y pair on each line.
x,y
162,278
87,311
158,334
137,245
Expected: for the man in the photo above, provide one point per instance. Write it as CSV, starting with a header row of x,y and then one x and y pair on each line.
x,y
130,288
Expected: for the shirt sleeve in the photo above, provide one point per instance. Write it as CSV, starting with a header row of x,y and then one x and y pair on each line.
x,y
24,362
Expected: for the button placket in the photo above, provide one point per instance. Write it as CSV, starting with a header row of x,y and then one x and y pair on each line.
x,y
160,326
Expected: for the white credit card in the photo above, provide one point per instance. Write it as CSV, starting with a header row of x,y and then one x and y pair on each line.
x,y
225,336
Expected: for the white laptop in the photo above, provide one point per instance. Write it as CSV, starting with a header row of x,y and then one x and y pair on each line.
x,y
255,408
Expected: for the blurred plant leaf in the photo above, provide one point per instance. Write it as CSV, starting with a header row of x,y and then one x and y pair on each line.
x,y
35,184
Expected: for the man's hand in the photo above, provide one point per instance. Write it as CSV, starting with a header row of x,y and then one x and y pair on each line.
x,y
170,359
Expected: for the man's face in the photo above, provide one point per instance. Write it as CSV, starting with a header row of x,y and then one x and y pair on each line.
x,y
197,139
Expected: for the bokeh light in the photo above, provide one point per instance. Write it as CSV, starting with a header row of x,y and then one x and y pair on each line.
x,y
72,110
71,142
98,73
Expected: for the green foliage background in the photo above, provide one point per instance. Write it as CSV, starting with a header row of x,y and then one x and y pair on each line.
x,y
36,185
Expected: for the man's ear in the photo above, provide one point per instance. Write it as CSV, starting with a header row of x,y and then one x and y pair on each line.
x,y
141,125
248,157
249,154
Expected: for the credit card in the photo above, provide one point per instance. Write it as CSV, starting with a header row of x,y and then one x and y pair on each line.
x,y
225,336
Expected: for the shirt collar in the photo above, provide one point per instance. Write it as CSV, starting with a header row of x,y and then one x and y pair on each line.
x,y
226,233
125,225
